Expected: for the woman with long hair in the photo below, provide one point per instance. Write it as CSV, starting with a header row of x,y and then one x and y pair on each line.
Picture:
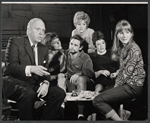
x,y
130,76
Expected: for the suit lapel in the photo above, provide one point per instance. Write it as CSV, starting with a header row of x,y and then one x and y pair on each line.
x,y
39,54
29,49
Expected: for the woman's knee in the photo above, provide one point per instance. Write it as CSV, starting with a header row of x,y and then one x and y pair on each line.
x,y
98,87
62,84
98,101
61,81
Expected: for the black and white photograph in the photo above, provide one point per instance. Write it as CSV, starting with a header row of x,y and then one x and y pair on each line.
x,y
74,61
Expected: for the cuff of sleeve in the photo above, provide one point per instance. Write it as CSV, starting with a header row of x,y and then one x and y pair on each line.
x,y
27,71
110,114
44,82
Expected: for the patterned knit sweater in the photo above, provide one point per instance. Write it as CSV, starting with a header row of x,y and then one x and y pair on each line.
x,y
131,69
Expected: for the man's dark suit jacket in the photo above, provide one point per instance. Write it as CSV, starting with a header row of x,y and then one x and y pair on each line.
x,y
18,55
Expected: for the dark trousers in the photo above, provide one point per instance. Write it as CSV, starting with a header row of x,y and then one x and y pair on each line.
x,y
115,95
26,97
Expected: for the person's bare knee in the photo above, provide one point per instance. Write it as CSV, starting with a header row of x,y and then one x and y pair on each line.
x,y
81,83
61,81
98,87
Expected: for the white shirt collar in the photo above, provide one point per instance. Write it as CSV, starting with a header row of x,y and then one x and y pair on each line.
x,y
32,43
101,53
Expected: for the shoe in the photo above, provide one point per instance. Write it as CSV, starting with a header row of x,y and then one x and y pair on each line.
x,y
126,115
81,118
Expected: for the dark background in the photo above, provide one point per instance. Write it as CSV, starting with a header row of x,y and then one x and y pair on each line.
x,y
59,18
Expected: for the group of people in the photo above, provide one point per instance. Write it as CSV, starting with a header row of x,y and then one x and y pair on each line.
x,y
37,68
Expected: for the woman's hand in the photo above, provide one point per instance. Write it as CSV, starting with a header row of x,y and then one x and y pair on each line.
x,y
115,85
97,74
113,75
105,72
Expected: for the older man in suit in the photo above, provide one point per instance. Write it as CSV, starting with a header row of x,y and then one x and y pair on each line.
x,y
25,77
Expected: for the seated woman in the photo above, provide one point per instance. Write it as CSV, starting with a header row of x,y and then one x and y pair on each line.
x,y
103,65
105,68
56,57
131,74
56,63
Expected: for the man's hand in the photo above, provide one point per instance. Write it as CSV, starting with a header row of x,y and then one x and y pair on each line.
x,y
43,90
39,70
3,65
74,78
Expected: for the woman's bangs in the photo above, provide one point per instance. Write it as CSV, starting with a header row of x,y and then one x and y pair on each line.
x,y
124,27
119,29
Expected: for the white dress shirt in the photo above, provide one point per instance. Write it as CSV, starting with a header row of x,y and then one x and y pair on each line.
x,y
27,69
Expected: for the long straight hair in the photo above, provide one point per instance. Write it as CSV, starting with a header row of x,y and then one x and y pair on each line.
x,y
117,45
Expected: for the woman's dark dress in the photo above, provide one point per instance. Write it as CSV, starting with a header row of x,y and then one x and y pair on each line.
x,y
54,67
104,62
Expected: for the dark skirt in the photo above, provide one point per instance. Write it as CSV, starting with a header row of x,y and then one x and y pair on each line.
x,y
105,81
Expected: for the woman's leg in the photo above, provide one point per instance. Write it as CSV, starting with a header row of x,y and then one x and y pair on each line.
x,y
116,117
61,81
114,95
98,88
94,117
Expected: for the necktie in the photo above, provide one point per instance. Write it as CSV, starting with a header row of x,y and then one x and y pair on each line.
x,y
33,46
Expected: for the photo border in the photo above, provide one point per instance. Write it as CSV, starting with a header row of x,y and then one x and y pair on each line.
x,y
106,1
